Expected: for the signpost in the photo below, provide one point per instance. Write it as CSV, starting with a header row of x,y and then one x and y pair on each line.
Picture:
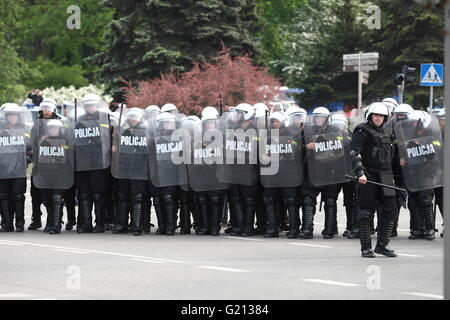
x,y
431,75
362,63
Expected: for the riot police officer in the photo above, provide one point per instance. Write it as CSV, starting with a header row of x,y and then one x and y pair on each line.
x,y
129,166
92,163
14,138
371,152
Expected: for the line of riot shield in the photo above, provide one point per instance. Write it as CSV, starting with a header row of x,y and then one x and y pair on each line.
x,y
167,162
420,147
130,151
207,156
14,142
53,156
92,137
240,150
326,147
280,153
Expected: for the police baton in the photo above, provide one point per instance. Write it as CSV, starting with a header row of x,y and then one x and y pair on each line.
x,y
378,184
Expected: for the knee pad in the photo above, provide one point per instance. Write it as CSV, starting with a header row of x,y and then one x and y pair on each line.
x,y
137,198
214,198
168,197
19,197
365,214
3,196
123,197
84,196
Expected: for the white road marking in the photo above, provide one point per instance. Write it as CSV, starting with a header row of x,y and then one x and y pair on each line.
x,y
424,295
242,238
222,269
146,260
14,295
9,243
409,255
334,283
96,251
308,245
71,251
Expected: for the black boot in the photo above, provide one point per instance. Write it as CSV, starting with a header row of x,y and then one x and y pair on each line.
x,y
215,215
394,228
185,215
294,218
309,209
416,214
349,215
385,225
49,223
330,218
146,213
272,230
365,234
159,215
19,201
430,231
249,217
136,214
169,209
71,215
7,225
122,215
56,212
236,215
203,228
99,205
84,220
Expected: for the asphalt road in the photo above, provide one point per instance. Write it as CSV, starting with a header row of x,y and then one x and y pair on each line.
x,y
35,265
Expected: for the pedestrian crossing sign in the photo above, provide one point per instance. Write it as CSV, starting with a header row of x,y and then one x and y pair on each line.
x,y
431,74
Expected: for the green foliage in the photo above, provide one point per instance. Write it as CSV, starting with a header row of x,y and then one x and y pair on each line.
x,y
147,38
325,30
48,74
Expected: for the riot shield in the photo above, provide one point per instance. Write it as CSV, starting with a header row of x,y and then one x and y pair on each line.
x,y
92,140
207,156
14,143
53,165
280,155
167,167
130,152
240,150
326,147
356,118
421,150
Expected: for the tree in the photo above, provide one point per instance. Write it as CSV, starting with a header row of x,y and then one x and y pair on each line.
x,y
234,79
153,37
324,30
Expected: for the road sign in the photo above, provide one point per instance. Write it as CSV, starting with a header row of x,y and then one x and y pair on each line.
x,y
364,56
431,75
363,68
365,77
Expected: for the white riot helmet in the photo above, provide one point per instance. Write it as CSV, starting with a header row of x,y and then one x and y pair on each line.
x,y
422,116
321,110
259,113
377,108
153,107
391,103
135,114
193,118
165,117
277,115
48,104
403,108
91,99
209,116
260,105
169,107
294,110
210,112
55,123
11,107
338,118
246,109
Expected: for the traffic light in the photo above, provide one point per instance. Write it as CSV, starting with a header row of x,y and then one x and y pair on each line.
x,y
398,80
408,74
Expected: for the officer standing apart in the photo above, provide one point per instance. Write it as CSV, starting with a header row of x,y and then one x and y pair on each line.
x,y
371,152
